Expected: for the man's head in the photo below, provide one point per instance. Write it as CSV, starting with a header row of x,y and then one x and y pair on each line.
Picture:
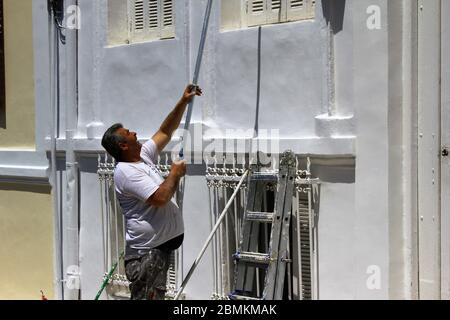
x,y
121,143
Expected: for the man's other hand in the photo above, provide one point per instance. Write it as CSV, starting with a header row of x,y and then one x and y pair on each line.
x,y
179,168
191,91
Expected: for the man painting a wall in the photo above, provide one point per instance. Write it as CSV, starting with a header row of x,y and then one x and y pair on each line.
x,y
154,224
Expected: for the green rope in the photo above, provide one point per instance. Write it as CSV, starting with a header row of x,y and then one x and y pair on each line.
x,y
108,277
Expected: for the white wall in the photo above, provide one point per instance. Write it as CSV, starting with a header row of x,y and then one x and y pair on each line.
x,y
138,85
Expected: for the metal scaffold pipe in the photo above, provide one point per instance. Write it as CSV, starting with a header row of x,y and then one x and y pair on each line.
x,y
211,235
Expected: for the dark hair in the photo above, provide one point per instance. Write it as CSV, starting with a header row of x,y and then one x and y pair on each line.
x,y
111,140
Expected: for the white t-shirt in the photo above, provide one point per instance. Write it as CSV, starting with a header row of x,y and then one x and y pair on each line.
x,y
146,226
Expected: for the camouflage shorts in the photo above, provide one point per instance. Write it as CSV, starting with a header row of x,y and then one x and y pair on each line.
x,y
148,275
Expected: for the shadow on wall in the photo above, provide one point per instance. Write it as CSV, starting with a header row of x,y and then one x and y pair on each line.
x,y
333,12
24,187
89,164
332,170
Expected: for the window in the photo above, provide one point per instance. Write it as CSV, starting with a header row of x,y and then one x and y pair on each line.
x,y
134,21
2,71
248,13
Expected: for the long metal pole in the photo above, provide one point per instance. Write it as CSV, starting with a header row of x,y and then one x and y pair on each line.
x,y
196,75
205,246
53,77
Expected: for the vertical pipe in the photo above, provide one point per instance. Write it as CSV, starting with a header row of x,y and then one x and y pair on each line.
x,y
107,207
236,225
71,223
299,246
258,86
124,232
211,223
289,271
236,238
102,208
53,51
226,251
313,249
331,71
220,247
116,225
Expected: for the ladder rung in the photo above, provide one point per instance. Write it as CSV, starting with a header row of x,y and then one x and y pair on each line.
x,y
253,257
239,297
265,217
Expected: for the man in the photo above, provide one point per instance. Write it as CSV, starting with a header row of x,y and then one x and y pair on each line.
x,y
154,225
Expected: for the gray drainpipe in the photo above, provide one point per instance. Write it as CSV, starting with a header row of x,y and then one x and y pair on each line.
x,y
54,78
71,210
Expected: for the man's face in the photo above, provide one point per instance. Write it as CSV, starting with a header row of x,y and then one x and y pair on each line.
x,y
132,143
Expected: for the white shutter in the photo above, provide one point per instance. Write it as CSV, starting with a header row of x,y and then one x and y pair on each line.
x,y
276,11
233,14
151,20
312,8
299,9
154,21
139,20
153,14
167,19
137,17
256,12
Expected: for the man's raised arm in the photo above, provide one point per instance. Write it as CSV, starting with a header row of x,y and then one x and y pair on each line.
x,y
171,123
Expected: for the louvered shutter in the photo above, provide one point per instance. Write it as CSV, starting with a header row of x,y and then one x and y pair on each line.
x,y
305,247
256,12
312,8
275,11
298,9
153,12
167,19
151,20
138,20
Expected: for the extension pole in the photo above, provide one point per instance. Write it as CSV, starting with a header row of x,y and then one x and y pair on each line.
x,y
196,76
105,282
205,246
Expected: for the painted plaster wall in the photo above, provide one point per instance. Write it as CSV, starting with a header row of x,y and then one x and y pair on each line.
x,y
25,200
381,220
135,84
19,76
138,84
125,82
371,199
429,105
445,174
26,235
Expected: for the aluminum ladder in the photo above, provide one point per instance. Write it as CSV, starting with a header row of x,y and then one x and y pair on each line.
x,y
249,260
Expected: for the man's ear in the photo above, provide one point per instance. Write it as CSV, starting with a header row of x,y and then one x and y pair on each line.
x,y
123,146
